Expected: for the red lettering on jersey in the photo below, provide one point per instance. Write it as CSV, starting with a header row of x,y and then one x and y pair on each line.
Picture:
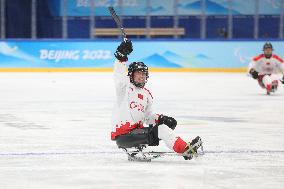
x,y
258,57
148,92
278,58
267,63
139,107
140,96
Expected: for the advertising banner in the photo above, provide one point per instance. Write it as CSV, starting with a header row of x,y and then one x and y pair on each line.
x,y
156,54
165,8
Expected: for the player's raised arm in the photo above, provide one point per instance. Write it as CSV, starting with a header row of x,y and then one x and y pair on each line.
x,y
122,51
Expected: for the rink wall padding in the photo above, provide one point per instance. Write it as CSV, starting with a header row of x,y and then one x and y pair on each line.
x,y
231,70
159,55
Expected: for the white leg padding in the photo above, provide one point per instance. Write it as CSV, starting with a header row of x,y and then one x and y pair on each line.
x,y
266,80
274,78
167,135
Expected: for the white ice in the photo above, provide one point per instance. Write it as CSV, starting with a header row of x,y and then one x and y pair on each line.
x,y
55,133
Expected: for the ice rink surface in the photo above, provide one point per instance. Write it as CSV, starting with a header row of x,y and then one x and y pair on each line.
x,y
55,133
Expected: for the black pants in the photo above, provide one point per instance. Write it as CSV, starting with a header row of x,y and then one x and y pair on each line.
x,y
137,137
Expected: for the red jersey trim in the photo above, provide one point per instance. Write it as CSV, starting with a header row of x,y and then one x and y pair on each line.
x,y
148,92
278,58
258,57
158,119
125,128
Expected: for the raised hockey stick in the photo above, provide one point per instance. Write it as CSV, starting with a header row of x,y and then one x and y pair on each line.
x,y
118,22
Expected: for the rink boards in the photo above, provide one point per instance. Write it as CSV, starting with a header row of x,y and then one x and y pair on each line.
x,y
232,70
159,55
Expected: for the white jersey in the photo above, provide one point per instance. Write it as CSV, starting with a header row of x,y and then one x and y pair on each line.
x,y
265,65
133,106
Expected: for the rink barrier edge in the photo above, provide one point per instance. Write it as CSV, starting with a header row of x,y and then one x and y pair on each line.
x,y
232,70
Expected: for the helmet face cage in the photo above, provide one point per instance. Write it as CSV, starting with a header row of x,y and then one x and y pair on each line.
x,y
267,45
137,66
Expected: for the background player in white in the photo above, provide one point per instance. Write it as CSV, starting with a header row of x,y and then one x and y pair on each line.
x,y
264,68
133,108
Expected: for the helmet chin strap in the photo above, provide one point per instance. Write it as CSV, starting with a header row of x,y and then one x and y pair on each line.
x,y
137,84
140,85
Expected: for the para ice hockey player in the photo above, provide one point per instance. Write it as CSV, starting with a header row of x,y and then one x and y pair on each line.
x,y
133,108
264,67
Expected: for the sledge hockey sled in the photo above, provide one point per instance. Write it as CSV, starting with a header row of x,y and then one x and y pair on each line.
x,y
135,143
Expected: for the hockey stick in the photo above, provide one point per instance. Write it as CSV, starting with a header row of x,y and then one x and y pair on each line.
x,y
118,22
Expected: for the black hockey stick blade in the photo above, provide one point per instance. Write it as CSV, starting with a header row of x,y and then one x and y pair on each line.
x,y
117,21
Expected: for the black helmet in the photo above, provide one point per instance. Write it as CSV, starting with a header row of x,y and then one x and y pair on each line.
x,y
137,66
267,45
